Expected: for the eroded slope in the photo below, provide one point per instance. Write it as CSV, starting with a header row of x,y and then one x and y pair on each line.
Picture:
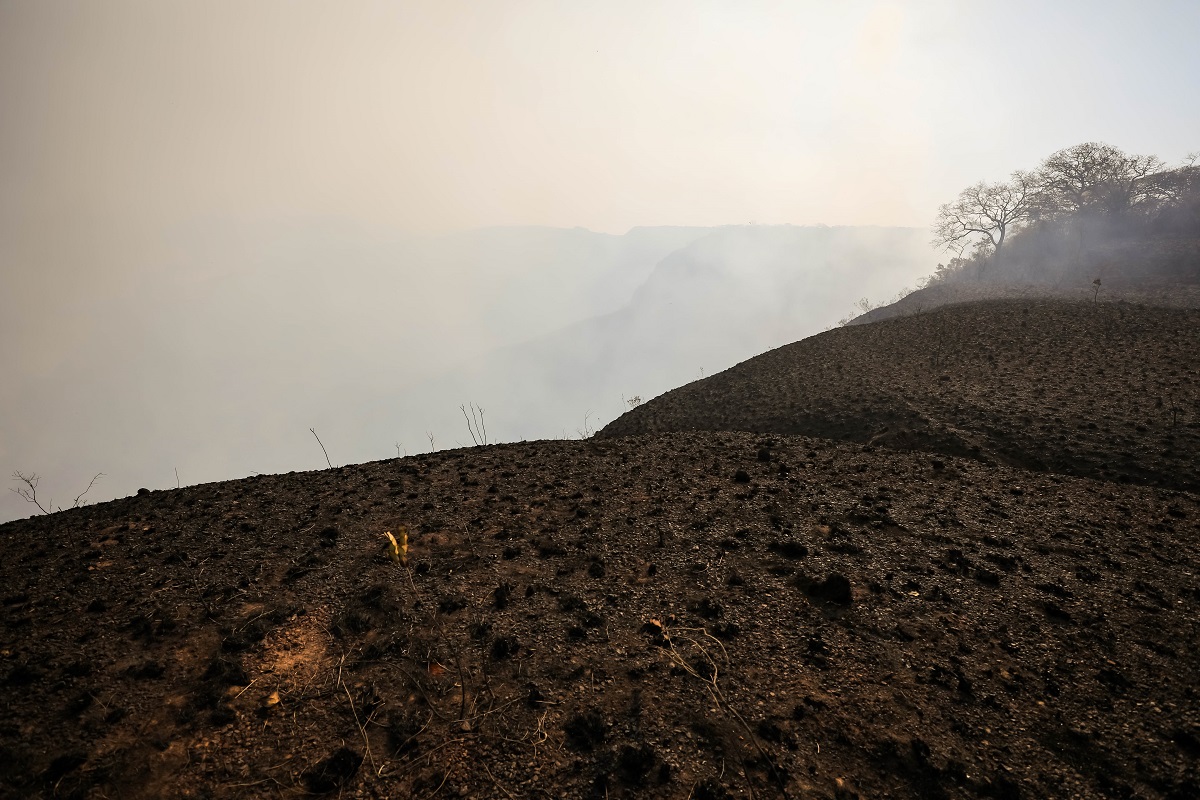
x,y
704,615
1102,390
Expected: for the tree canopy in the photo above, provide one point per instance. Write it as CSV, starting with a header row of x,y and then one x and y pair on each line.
x,y
985,209
1037,220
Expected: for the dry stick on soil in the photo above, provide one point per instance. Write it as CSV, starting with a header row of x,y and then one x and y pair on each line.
x,y
462,687
718,696
445,777
433,708
361,729
483,425
507,793
406,743
470,429
428,754
463,719
323,450
586,431
475,424
88,489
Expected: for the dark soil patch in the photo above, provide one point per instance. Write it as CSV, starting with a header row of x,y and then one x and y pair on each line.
x,y
1103,390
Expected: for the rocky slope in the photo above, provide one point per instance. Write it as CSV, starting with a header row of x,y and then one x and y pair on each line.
x,y
1083,291
701,615
1108,390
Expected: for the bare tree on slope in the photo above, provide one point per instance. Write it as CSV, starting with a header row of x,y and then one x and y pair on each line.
x,y
1094,176
985,212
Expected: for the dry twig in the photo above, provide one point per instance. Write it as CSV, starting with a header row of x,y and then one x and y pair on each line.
x,y
714,688
323,450
29,491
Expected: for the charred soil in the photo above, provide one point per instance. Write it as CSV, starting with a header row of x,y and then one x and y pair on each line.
x,y
1104,390
679,615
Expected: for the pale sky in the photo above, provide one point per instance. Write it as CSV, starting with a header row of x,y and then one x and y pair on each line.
x,y
220,222
605,115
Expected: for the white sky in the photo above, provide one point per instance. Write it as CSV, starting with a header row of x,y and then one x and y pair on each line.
x,y
136,116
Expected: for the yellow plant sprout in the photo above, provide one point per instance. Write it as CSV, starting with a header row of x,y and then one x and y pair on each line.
x,y
398,550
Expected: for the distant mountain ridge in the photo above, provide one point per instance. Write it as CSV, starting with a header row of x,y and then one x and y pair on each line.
x,y
733,293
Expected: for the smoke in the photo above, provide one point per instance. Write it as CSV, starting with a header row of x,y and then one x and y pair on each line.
x,y
222,223
217,364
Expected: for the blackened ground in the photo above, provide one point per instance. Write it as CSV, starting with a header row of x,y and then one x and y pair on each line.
x,y
1103,390
703,615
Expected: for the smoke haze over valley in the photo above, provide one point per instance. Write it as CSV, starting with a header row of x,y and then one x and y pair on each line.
x,y
219,366
222,225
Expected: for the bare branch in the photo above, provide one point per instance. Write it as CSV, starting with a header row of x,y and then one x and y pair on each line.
x,y
990,210
470,430
29,492
93,481
587,431
1094,175
475,424
323,450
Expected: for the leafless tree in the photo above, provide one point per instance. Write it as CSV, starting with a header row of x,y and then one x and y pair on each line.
x,y
987,210
1095,176
587,431
475,424
29,490
1179,185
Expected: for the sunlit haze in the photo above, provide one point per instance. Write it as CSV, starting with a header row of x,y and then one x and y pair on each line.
x,y
223,223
